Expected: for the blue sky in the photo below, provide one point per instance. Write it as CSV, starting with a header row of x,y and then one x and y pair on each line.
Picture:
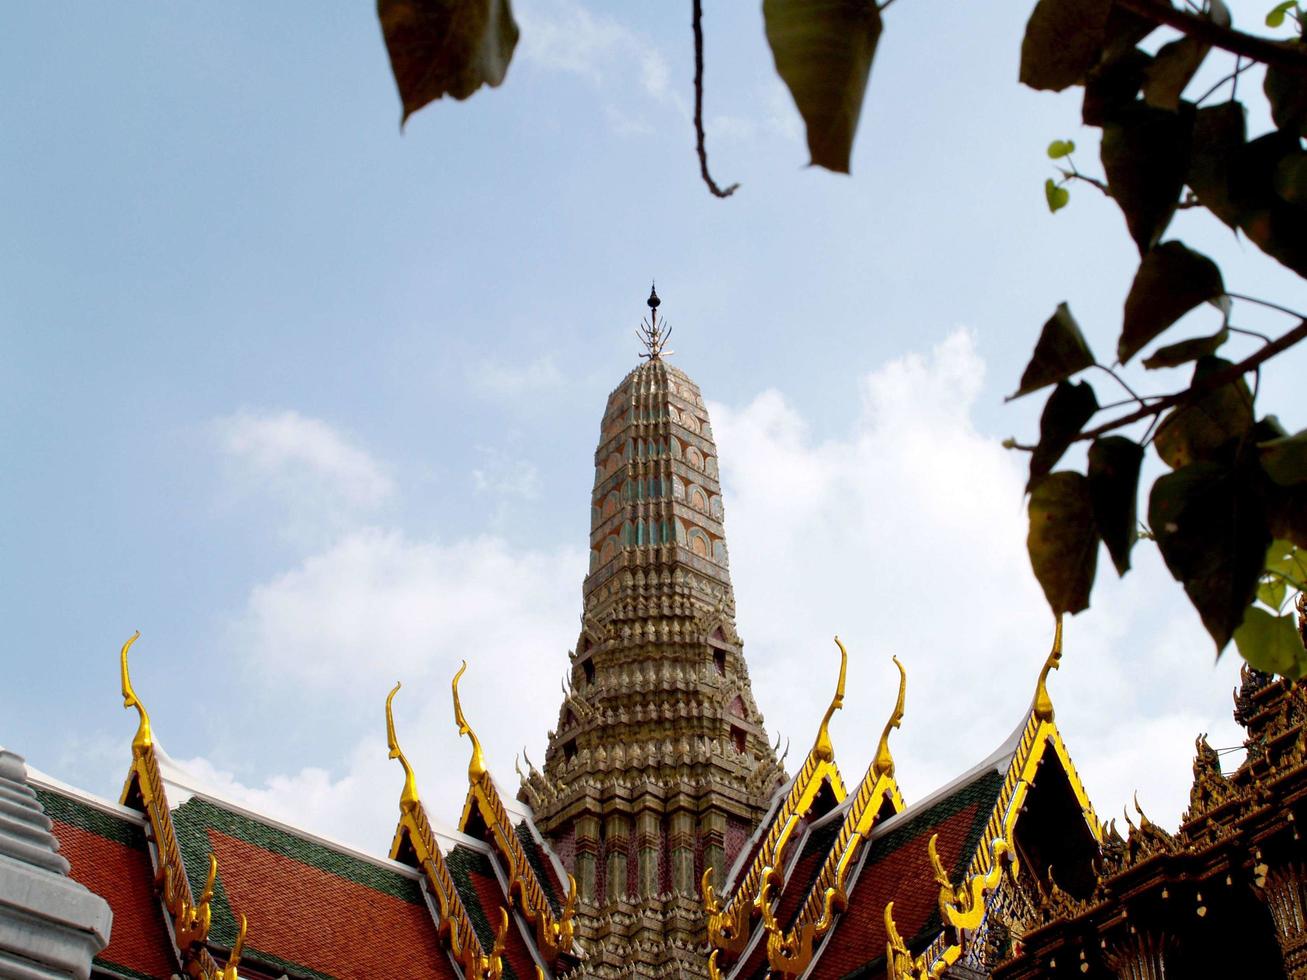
x,y
312,403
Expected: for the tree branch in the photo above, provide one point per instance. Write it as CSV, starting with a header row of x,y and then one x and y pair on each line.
x,y
1279,53
1207,383
698,106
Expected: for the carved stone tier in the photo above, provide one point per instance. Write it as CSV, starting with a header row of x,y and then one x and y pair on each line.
x,y
659,767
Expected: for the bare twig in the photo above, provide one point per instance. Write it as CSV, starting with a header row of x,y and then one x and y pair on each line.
x,y
1282,55
1206,383
698,105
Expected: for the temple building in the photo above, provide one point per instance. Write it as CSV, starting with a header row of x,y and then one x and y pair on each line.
x,y
660,837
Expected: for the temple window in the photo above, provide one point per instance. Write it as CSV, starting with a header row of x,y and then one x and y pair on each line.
x,y
698,500
738,737
569,749
693,457
719,661
588,667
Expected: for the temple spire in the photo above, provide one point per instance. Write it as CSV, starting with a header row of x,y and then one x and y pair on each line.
x,y
652,332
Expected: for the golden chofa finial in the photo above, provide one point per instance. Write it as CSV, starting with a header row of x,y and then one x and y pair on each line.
x,y
823,748
883,762
1043,703
144,739
233,961
476,767
409,798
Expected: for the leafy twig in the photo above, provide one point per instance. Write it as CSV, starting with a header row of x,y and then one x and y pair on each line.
x,y
1292,58
1206,383
698,106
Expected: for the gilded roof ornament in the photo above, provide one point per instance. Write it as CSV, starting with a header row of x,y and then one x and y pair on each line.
x,y
652,332
233,961
883,765
823,748
1043,703
143,738
476,767
409,797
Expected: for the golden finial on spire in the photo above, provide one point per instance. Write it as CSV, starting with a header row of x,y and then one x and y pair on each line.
x,y
883,763
651,331
143,739
1043,703
823,748
476,767
409,797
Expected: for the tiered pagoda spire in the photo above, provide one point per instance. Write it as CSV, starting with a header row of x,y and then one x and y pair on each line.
x,y
659,768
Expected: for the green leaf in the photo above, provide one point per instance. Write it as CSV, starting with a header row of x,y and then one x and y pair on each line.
x,y
1145,154
1285,459
1061,148
1171,281
1069,407
1211,530
823,51
1287,93
446,47
1286,559
1290,179
1063,40
1202,428
1062,542
1060,353
1271,643
1185,351
1270,591
1114,463
1275,17
1057,197
1219,134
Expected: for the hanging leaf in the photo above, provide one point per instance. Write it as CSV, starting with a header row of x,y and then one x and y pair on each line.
x,y
1288,562
1286,90
1276,226
1063,40
1271,591
1275,18
1177,62
823,51
1114,463
1271,643
1057,197
1069,407
1219,133
1061,148
1212,422
1111,87
446,47
1060,353
1145,154
1062,543
1285,459
1211,530
1185,351
1171,281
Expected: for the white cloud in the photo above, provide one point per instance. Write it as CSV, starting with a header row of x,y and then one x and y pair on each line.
x,y
305,464
907,536
505,475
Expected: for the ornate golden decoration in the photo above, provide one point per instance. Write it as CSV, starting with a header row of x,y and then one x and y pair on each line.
x,y
823,748
728,924
790,952
414,833
962,907
900,964
476,767
554,934
1043,707
144,790
234,960
1039,737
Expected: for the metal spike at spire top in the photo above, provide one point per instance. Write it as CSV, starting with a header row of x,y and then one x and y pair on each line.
x,y
652,332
